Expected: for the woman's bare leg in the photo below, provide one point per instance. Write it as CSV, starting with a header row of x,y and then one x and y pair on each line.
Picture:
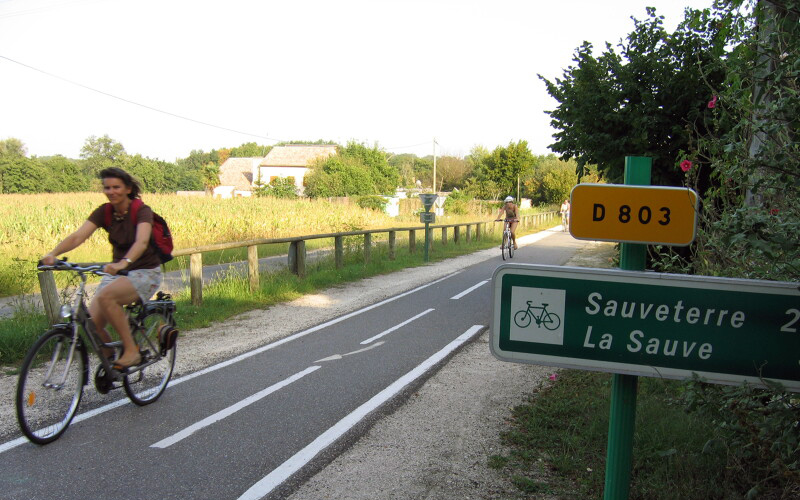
x,y
107,308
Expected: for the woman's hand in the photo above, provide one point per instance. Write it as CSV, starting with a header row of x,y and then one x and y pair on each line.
x,y
115,267
48,260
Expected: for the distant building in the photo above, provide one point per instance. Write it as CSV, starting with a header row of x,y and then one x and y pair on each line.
x,y
239,176
236,177
291,161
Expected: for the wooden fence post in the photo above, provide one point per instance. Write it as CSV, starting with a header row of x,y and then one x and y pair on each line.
x,y
52,306
412,241
457,234
252,267
338,251
367,247
297,257
469,233
392,243
444,236
478,231
196,278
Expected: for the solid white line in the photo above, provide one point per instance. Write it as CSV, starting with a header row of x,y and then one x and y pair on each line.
x,y
216,417
456,297
302,457
390,330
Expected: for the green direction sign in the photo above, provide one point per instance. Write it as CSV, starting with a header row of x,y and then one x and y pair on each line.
x,y
644,323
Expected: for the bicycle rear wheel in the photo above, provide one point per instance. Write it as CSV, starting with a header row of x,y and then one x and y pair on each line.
x,y
50,385
146,385
504,247
510,248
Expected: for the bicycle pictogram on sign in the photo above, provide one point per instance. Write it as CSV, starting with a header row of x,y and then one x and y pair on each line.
x,y
545,318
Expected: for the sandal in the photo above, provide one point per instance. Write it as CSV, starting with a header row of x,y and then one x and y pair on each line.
x,y
123,367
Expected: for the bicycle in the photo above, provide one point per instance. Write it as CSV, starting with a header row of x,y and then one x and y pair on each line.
x,y
56,367
548,319
565,221
508,243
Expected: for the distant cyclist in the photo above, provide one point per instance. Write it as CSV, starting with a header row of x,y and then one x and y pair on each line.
x,y
565,208
512,213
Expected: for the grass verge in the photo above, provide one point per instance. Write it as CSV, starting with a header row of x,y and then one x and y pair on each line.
x,y
561,434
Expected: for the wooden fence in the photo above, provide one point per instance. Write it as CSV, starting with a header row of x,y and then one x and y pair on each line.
x,y
297,247
297,251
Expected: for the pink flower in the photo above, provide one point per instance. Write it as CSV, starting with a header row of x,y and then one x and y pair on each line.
x,y
712,103
686,165
553,376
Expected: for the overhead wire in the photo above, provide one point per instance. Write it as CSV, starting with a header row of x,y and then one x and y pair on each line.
x,y
151,108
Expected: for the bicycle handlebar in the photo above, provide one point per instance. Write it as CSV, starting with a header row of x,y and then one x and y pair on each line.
x,y
506,220
64,265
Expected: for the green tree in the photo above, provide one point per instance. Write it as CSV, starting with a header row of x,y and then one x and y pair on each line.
x,y
749,149
209,175
12,147
102,152
451,172
19,174
638,101
506,164
479,185
550,180
64,175
250,150
354,170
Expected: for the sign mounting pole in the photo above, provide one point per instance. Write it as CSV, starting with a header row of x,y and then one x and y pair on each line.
x,y
622,414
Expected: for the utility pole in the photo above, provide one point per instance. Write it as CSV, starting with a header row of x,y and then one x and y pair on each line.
x,y
434,164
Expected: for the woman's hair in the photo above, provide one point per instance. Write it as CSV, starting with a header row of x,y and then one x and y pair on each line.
x,y
118,173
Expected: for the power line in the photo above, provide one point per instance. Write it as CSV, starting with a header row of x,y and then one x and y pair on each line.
x,y
151,108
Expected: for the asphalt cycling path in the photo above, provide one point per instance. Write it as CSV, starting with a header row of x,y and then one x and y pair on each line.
x,y
257,425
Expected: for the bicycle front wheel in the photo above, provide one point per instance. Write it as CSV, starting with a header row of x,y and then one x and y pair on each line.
x,y
146,385
504,249
50,385
510,248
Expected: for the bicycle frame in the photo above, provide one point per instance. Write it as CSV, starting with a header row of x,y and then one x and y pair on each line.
x,y
79,317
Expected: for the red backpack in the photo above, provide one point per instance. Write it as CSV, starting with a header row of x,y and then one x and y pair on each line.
x,y
160,237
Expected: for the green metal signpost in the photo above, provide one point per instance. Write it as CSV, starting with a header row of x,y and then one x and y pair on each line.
x,y
427,217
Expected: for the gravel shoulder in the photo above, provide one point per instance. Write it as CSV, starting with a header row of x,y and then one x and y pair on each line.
x,y
435,446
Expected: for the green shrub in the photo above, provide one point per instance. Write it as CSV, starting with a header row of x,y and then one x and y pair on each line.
x,y
372,202
457,203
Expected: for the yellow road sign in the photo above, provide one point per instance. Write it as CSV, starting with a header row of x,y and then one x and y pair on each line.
x,y
635,214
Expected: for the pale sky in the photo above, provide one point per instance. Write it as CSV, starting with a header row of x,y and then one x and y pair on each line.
x,y
393,72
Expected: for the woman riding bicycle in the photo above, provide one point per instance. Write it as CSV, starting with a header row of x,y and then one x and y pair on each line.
x,y
131,252
512,213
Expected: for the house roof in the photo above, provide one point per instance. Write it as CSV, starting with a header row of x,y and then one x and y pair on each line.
x,y
297,155
238,172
